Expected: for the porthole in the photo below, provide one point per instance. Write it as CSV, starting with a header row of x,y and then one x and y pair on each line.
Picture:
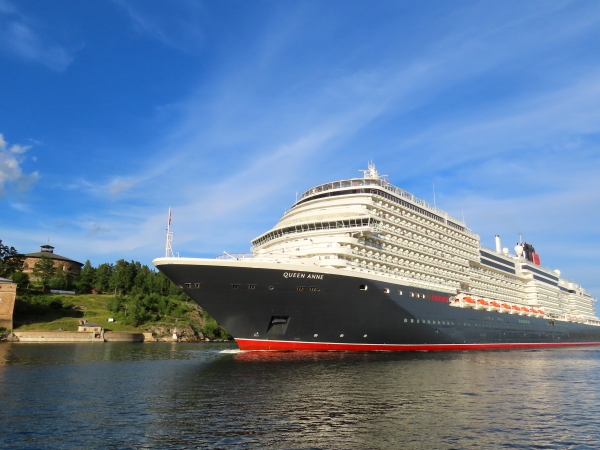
x,y
405,320
316,335
251,286
363,287
300,288
188,285
412,320
386,291
399,292
271,288
197,285
313,289
342,335
235,286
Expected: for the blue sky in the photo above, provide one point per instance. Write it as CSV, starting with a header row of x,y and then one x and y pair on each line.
x,y
112,111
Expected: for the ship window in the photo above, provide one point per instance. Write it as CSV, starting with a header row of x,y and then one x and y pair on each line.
x,y
412,320
235,286
428,322
188,285
412,294
399,292
363,287
300,288
405,320
271,288
314,289
386,291
197,285
251,286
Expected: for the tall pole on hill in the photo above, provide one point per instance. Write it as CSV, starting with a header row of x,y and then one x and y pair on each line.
x,y
169,249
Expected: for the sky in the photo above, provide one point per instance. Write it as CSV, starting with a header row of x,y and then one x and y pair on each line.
x,y
113,111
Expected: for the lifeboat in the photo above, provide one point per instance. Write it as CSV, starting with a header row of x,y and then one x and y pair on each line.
x,y
514,309
468,302
495,306
541,312
482,302
505,306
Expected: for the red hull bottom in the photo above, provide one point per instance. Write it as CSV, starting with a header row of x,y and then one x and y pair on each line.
x,y
259,344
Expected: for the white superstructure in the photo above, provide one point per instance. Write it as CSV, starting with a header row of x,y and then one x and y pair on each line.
x,y
370,227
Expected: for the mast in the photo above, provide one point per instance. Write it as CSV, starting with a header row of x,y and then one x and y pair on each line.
x,y
168,248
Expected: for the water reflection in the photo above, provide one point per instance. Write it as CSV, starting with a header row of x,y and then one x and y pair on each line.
x,y
156,396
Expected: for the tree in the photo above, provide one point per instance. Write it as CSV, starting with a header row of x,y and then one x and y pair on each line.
x,y
44,270
103,276
123,276
22,279
10,260
61,279
86,277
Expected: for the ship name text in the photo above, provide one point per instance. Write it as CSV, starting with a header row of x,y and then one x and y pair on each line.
x,y
311,276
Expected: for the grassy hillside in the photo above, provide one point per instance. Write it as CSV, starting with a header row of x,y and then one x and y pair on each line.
x,y
36,310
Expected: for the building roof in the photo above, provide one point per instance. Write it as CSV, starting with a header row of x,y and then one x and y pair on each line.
x,y
4,280
51,256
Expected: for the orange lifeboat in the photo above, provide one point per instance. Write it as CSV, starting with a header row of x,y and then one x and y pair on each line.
x,y
495,304
505,306
482,302
469,300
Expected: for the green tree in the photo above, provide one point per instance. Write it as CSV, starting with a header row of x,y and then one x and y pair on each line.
x,y
123,276
103,276
22,279
87,276
10,260
60,279
44,270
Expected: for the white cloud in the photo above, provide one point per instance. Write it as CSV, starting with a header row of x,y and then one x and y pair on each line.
x,y
19,38
10,167
179,26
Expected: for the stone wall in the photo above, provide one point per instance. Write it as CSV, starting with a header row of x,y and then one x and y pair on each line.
x,y
8,292
67,266
58,336
123,336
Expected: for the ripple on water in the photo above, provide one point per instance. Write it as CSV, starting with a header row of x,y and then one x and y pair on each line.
x,y
213,395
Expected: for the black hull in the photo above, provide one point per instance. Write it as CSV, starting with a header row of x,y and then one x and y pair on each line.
x,y
263,309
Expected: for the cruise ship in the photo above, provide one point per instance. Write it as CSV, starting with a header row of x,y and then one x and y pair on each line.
x,y
362,265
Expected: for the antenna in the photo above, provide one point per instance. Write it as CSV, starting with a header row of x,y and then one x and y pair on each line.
x,y
463,214
434,205
168,248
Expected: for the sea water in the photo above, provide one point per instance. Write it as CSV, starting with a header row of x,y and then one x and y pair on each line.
x,y
214,396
